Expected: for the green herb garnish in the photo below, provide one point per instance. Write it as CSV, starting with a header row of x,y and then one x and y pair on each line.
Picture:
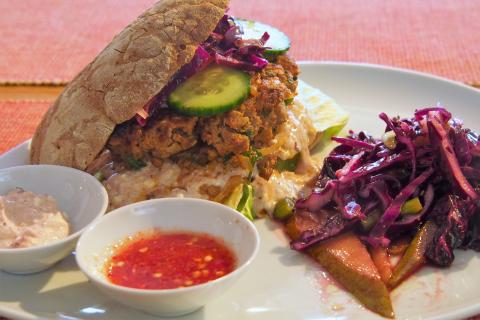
x,y
245,206
289,164
253,155
99,175
135,164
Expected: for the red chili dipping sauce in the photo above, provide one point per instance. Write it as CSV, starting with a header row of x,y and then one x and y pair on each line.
x,y
168,260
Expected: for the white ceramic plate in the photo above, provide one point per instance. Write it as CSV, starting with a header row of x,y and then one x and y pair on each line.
x,y
283,284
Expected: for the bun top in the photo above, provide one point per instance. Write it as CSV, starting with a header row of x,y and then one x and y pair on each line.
x,y
132,69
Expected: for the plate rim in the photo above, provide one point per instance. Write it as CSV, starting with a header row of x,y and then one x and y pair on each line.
x,y
366,67
383,67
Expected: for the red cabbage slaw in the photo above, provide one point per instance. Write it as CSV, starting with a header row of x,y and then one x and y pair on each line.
x,y
224,46
433,157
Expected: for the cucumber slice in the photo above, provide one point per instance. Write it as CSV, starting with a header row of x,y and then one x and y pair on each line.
x,y
278,42
212,91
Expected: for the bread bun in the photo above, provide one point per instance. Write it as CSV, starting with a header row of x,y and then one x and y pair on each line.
x,y
132,69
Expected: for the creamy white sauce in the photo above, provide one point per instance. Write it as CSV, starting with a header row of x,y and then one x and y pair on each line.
x,y
170,180
28,219
300,133
280,185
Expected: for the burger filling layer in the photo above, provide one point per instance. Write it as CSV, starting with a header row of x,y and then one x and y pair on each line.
x,y
207,157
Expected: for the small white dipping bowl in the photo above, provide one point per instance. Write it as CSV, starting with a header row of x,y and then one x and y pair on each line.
x,y
78,194
95,248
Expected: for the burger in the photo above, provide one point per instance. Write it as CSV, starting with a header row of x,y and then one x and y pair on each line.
x,y
187,101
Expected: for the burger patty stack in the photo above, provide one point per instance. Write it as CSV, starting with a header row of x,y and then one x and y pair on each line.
x,y
188,101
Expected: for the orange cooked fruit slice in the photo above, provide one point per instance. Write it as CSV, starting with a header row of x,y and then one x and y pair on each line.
x,y
347,260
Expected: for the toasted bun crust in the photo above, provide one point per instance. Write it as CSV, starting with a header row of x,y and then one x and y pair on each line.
x,y
134,67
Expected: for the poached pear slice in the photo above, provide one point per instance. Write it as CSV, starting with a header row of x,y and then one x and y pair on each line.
x,y
382,261
414,257
347,260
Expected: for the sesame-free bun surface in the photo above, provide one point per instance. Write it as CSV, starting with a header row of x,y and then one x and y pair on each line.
x,y
120,81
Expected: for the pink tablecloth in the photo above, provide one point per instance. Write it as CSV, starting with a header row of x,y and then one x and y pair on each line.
x,y
18,120
51,40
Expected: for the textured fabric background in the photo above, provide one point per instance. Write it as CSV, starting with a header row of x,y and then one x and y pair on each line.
x,y
51,40
18,120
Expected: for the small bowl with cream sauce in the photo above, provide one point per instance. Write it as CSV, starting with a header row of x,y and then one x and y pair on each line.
x,y
43,211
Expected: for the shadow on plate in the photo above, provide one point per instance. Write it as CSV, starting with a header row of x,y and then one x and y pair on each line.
x,y
83,301
18,287
287,256
43,297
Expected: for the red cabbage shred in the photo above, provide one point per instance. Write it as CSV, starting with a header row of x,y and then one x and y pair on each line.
x,y
434,158
225,46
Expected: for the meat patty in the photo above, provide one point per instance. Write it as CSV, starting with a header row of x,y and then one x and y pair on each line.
x,y
291,71
257,120
254,123
168,134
